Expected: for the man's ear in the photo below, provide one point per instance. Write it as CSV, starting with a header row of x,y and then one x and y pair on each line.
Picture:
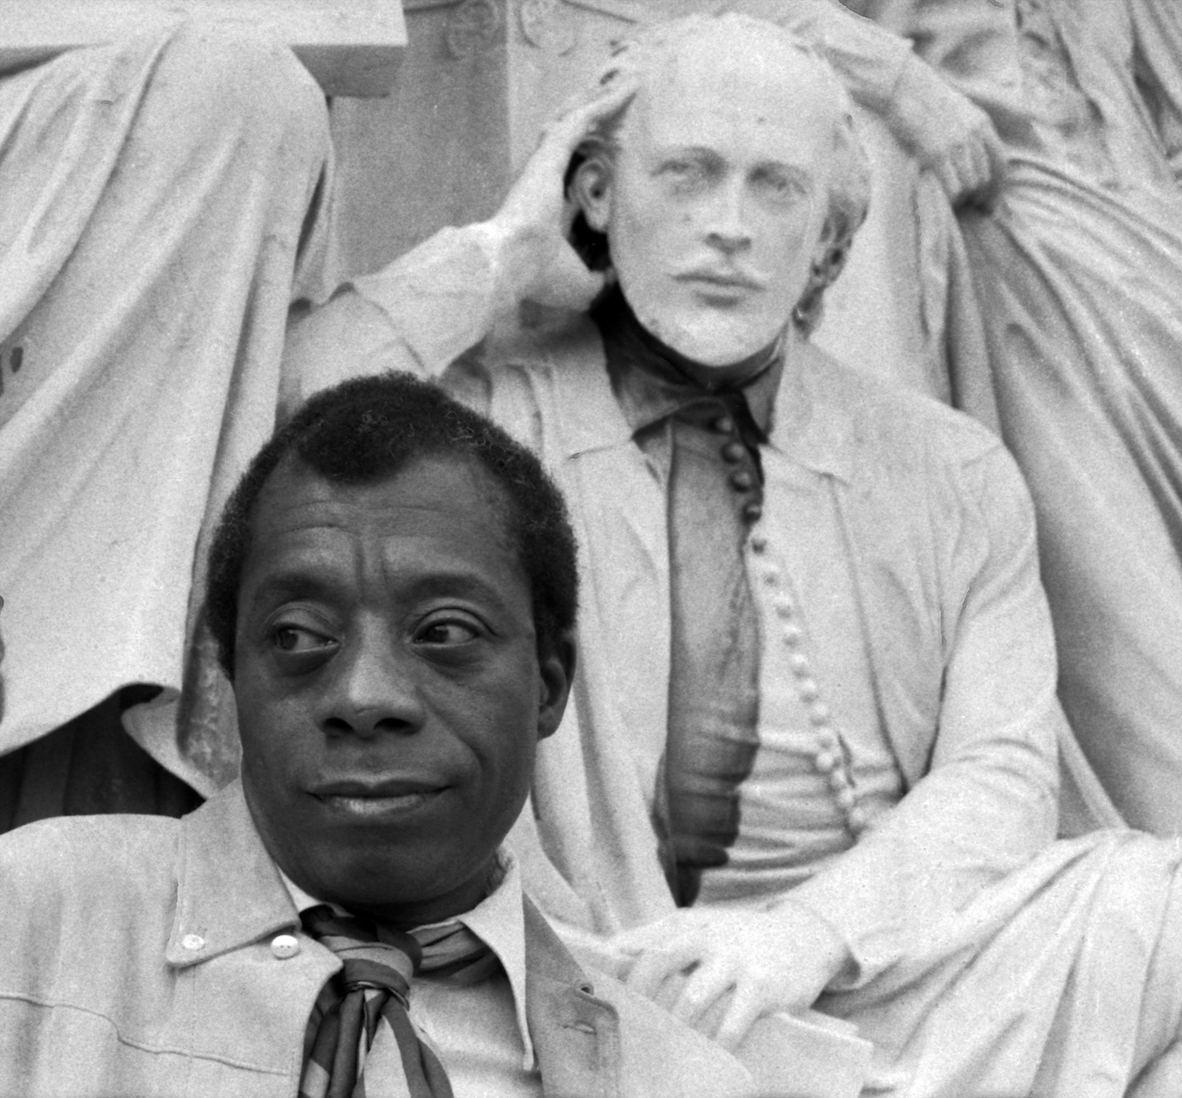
x,y
591,189
557,667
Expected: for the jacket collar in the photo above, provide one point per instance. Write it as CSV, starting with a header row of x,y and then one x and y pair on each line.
x,y
811,426
229,892
576,1035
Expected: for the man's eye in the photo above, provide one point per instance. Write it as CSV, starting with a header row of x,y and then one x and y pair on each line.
x,y
295,638
450,631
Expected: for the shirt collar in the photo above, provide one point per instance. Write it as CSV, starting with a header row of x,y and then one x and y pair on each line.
x,y
649,379
498,921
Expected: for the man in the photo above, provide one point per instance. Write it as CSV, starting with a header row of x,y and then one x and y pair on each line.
x,y
816,753
392,589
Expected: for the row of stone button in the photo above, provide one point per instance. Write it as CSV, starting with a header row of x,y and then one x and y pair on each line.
x,y
733,452
830,758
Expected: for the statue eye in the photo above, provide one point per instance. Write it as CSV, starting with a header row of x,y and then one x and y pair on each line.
x,y
781,186
685,173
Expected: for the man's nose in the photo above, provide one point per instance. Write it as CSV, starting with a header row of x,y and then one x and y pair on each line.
x,y
374,688
725,223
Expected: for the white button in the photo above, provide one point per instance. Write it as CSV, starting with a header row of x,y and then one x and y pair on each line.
x,y
758,544
284,946
844,798
193,941
809,690
784,610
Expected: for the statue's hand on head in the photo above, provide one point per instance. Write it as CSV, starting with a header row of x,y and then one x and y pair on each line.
x,y
719,970
949,134
534,258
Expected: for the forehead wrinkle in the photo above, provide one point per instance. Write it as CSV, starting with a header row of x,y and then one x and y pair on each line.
x,y
313,581
310,538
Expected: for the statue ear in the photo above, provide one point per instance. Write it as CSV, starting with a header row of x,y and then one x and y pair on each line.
x,y
591,188
826,245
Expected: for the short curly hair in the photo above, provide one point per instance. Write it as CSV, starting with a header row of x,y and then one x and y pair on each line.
x,y
849,188
366,430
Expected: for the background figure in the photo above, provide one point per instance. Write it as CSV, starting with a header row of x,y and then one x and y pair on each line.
x,y
1078,271
158,198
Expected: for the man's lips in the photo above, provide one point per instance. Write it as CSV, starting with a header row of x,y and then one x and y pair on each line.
x,y
370,799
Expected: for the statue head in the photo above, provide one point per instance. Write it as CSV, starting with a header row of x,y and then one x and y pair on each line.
x,y
726,193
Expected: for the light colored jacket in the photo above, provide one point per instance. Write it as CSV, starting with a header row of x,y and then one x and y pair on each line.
x,y
939,538
101,993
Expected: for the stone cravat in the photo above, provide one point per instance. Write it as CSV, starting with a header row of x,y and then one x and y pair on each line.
x,y
364,1008
714,657
708,441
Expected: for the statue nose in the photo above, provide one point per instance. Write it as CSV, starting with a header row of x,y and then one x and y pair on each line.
x,y
726,222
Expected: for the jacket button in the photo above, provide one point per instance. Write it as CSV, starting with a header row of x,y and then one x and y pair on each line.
x,y
284,946
193,941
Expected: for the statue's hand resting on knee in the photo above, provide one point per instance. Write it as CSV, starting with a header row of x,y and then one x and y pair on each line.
x,y
721,970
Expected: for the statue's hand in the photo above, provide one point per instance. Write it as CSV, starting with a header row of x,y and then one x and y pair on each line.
x,y
721,970
949,134
534,260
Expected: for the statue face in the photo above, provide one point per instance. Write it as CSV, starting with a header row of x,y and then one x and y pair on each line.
x,y
715,209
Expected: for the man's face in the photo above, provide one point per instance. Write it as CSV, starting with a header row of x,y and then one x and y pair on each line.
x,y
390,692
716,205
